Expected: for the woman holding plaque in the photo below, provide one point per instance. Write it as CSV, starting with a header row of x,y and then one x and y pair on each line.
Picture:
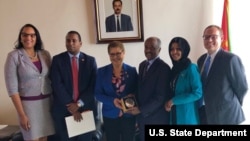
x,y
115,87
185,85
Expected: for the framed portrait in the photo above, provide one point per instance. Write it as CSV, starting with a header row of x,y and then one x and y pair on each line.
x,y
120,20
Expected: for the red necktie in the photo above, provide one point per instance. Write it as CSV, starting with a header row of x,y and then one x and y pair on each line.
x,y
75,78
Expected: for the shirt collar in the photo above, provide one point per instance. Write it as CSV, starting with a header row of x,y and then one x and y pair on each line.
x,y
213,54
71,55
152,60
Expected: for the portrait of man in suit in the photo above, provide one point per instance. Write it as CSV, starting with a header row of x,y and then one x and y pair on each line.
x,y
118,21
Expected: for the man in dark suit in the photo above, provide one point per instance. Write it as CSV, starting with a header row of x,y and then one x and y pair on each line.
x,y
65,102
225,85
153,88
118,22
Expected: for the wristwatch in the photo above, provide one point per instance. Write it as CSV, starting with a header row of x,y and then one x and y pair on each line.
x,y
79,104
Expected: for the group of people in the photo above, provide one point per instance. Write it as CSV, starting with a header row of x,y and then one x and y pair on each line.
x,y
45,89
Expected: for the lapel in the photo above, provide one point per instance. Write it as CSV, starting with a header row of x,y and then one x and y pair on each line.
x,y
66,65
153,66
202,63
122,22
125,71
151,69
113,23
81,64
43,57
109,72
27,60
141,69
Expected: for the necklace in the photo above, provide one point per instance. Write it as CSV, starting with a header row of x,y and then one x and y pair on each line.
x,y
33,57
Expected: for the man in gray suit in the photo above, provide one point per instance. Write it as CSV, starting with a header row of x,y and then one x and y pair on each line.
x,y
118,22
225,85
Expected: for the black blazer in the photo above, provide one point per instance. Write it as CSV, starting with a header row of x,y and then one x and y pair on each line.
x,y
153,91
126,24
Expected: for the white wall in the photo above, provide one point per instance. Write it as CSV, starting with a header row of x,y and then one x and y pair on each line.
x,y
240,36
162,18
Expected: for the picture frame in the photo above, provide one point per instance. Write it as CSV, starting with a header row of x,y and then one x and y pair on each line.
x,y
105,32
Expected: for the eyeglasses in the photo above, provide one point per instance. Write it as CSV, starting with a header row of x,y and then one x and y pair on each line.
x,y
118,54
213,37
32,35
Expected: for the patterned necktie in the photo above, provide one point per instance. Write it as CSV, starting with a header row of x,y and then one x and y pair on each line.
x,y
118,24
75,78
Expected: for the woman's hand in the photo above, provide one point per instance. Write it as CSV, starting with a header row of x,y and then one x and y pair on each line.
x,y
168,105
118,103
25,124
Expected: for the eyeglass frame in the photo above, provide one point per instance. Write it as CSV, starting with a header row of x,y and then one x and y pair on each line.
x,y
32,35
213,37
118,54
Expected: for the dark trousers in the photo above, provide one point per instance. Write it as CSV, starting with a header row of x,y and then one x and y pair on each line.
x,y
62,134
202,115
119,129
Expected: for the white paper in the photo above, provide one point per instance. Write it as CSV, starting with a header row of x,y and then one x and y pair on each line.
x,y
76,128
3,126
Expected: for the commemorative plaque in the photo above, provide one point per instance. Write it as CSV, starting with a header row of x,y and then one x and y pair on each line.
x,y
128,102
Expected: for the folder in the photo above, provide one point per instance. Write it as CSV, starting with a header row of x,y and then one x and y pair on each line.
x,y
86,125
